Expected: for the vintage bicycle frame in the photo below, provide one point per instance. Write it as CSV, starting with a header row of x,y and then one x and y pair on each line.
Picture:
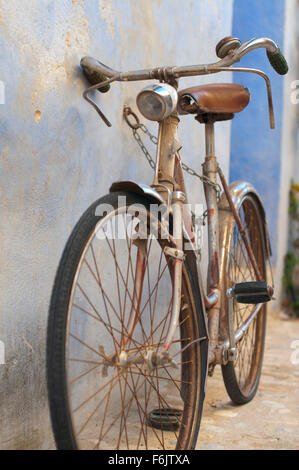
x,y
168,187
169,184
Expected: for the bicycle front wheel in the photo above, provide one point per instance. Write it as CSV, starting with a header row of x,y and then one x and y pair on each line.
x,y
110,384
241,377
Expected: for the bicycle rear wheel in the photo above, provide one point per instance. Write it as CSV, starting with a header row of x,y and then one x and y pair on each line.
x,y
241,377
108,389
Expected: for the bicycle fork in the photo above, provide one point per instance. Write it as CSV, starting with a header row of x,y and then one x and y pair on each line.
x,y
174,253
168,147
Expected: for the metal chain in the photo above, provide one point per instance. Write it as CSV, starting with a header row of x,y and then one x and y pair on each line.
x,y
196,220
204,179
185,167
138,139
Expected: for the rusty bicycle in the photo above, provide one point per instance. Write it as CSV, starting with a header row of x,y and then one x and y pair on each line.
x,y
133,331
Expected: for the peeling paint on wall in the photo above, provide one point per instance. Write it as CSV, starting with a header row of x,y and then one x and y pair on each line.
x,y
107,12
37,116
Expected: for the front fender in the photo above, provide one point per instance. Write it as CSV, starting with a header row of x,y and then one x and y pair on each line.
x,y
138,188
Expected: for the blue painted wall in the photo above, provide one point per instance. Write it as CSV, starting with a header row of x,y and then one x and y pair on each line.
x,y
255,148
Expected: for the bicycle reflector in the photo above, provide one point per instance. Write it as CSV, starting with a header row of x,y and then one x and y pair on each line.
x,y
156,102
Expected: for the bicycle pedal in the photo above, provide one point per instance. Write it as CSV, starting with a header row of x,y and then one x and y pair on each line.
x,y
166,419
251,292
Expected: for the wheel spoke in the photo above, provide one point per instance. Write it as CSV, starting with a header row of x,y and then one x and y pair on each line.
x,y
113,378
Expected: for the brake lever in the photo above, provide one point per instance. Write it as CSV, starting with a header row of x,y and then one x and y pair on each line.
x,y
98,86
261,74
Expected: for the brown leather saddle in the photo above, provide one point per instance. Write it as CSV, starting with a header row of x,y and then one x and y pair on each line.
x,y
214,102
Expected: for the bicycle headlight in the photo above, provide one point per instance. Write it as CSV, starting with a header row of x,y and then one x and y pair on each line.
x,y
156,102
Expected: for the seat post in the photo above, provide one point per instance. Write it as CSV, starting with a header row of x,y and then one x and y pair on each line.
x,y
210,167
210,139
210,164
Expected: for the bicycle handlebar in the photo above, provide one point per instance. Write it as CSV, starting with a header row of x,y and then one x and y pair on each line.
x,y
98,72
274,54
229,49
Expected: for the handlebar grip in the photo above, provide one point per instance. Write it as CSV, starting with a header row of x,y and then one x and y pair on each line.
x,y
278,62
93,74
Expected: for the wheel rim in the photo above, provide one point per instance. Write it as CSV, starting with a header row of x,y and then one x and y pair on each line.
x,y
250,347
111,384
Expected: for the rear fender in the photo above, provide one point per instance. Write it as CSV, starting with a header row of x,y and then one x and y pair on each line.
x,y
238,191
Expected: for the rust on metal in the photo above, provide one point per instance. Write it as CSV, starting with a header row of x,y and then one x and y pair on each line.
x,y
210,213
127,111
214,270
211,299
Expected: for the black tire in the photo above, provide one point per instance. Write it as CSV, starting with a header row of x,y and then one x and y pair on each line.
x,y
192,324
242,376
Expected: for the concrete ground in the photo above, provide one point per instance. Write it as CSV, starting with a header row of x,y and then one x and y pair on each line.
x,y
271,420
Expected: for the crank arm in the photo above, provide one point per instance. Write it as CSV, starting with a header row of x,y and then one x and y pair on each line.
x,y
255,293
227,352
